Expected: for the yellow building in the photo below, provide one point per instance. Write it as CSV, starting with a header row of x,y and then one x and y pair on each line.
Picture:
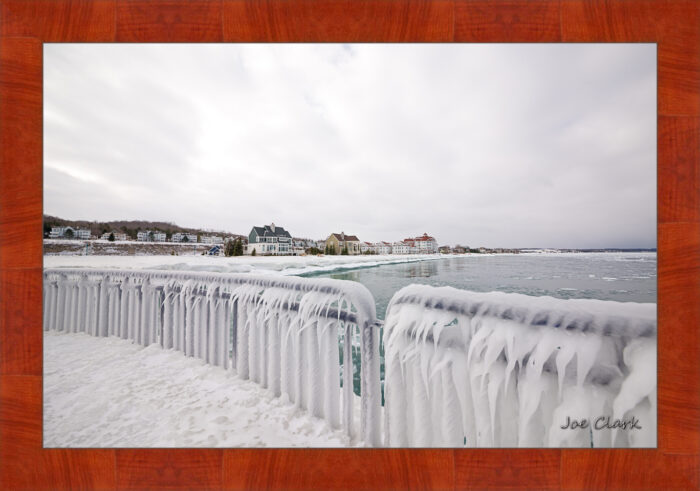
x,y
338,242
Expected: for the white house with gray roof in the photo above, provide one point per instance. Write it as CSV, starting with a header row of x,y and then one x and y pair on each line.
x,y
180,237
269,240
150,236
69,233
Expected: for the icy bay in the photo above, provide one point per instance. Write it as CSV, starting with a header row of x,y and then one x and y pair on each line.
x,y
623,277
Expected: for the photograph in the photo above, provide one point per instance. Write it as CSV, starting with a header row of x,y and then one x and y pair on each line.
x,y
349,245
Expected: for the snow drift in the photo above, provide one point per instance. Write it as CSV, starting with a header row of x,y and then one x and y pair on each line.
x,y
109,392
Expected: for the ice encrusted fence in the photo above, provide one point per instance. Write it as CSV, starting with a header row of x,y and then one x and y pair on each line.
x,y
497,369
461,368
281,332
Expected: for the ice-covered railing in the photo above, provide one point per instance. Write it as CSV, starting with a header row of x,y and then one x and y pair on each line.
x,y
282,332
504,369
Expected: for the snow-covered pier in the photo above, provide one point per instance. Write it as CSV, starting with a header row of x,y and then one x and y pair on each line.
x,y
281,332
505,370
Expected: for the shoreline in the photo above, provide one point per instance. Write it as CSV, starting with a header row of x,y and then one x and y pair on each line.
x,y
284,265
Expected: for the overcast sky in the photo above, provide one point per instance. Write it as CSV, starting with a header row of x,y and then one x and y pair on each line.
x,y
482,145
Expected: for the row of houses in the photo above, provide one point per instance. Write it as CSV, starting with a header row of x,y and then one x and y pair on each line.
x,y
274,240
424,244
117,236
141,236
155,236
458,249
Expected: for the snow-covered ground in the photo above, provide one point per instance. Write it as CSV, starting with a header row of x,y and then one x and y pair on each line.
x,y
108,392
288,265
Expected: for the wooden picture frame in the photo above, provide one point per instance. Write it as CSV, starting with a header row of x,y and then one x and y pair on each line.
x,y
25,24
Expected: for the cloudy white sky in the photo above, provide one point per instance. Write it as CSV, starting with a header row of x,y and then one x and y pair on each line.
x,y
483,145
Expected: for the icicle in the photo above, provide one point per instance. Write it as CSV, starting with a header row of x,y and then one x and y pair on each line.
x,y
423,436
348,380
123,308
396,405
145,306
133,312
181,320
213,325
62,310
274,358
73,306
201,314
638,389
189,319
224,333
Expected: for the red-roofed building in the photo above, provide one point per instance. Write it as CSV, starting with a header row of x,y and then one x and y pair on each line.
x,y
400,248
424,244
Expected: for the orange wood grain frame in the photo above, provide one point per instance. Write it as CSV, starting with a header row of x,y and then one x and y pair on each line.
x,y
26,24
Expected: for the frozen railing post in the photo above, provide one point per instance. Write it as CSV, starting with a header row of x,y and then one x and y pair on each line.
x,y
49,303
496,369
369,378
102,307
168,324
279,331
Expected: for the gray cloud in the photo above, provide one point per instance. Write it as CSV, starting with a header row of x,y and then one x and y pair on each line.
x,y
495,145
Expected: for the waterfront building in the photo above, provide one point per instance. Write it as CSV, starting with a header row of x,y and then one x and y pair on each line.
x,y
382,247
300,246
180,237
400,248
63,233
367,247
211,239
425,244
269,240
117,236
341,241
150,236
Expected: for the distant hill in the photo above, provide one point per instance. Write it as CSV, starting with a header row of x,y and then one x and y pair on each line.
x,y
129,227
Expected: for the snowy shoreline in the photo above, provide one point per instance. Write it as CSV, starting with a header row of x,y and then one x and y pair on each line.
x,y
285,265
